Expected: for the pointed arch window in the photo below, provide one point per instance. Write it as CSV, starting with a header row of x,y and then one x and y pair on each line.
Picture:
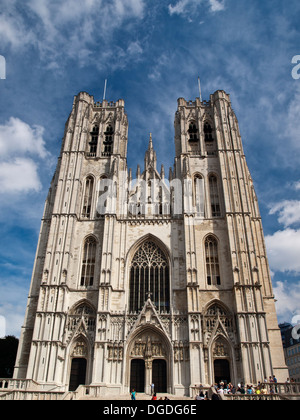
x,y
208,132
108,142
214,196
88,262
103,189
88,197
193,132
212,262
94,141
149,273
199,195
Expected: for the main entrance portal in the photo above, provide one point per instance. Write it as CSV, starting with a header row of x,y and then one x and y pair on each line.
x,y
137,376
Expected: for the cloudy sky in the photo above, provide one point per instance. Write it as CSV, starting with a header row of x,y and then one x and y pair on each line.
x,y
151,52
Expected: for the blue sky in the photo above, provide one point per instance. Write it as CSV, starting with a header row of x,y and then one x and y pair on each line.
x,y
151,52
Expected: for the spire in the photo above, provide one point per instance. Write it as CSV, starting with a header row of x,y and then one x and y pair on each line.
x,y
150,156
150,143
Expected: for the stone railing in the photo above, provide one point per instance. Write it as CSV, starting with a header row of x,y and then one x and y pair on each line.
x,y
283,388
92,391
194,390
31,396
272,391
18,384
253,397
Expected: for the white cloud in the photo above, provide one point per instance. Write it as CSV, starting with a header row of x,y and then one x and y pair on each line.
x,y
22,148
292,123
134,48
81,30
162,63
19,176
13,31
100,14
217,5
289,212
187,8
297,185
181,7
284,122
284,250
13,304
18,138
74,28
288,300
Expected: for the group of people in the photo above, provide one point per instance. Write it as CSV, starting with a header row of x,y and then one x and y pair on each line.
x,y
241,389
218,390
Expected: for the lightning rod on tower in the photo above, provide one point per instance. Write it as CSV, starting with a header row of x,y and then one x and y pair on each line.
x,y
199,84
105,86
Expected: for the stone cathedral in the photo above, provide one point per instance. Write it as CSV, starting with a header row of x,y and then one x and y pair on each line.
x,y
150,278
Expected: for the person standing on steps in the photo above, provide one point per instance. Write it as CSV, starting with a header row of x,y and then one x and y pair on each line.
x,y
133,395
152,389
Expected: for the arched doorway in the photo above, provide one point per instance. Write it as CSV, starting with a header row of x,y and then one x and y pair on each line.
x,y
78,373
137,375
222,370
79,363
159,375
149,360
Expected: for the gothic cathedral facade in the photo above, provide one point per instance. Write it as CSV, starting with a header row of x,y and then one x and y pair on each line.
x,y
151,279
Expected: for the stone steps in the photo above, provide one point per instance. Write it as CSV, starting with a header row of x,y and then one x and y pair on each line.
x,y
139,397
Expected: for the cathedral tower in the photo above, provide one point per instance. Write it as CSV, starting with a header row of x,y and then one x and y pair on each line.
x,y
150,280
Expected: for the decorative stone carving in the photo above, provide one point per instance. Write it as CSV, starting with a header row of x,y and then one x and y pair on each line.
x,y
148,348
115,352
220,350
80,349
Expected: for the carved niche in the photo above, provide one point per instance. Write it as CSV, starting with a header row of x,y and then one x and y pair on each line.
x,y
220,349
80,349
148,347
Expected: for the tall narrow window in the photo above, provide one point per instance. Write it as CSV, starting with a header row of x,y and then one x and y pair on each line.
x,y
193,132
214,197
210,143
199,195
88,197
208,132
149,273
88,262
94,141
212,261
108,142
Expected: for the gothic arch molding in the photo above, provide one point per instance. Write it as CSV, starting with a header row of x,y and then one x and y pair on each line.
x,y
219,337
148,343
139,242
215,302
213,236
81,303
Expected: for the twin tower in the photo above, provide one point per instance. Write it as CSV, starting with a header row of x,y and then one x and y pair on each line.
x,y
150,278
